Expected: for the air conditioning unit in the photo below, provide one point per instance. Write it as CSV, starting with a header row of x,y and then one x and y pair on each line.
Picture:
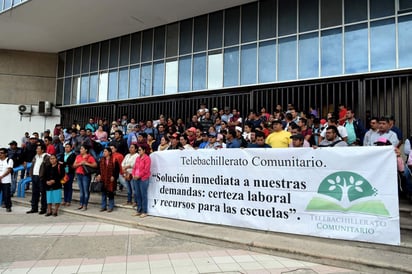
x,y
45,108
24,109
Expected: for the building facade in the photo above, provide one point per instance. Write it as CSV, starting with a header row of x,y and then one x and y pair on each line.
x,y
311,53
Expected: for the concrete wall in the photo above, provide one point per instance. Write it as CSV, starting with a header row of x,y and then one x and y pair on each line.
x,y
27,77
15,125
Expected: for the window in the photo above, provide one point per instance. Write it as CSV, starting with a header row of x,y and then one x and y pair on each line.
x,y
356,48
308,55
287,17
86,59
171,79
200,34
134,83
248,66
199,71
113,85
124,50
159,43
158,77
104,55
231,67
232,23
84,91
331,52
308,15
249,22
114,53
185,72
123,83
404,41
147,45
215,30
356,10
287,59
146,80
267,19
215,70
135,48
331,13
172,39
383,52
94,88
185,45
267,61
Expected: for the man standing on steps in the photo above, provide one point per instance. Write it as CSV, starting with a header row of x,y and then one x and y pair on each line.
x,y
37,173
6,166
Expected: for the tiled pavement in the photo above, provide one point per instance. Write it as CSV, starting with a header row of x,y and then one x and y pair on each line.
x,y
217,260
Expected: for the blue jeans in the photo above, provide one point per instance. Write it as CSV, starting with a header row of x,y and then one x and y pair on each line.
x,y
408,179
127,184
106,195
84,186
68,189
141,187
14,182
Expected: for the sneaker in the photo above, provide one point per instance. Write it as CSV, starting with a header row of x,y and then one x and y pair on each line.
x,y
143,215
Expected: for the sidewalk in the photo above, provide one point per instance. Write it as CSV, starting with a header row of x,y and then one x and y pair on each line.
x,y
372,258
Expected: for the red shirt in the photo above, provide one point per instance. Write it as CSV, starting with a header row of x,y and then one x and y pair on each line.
x,y
79,159
142,167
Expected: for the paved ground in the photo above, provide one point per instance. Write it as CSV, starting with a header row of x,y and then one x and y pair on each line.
x,y
68,243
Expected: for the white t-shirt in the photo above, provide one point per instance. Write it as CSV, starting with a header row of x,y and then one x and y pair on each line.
x,y
4,165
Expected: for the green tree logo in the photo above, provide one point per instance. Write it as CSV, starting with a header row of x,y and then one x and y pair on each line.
x,y
344,189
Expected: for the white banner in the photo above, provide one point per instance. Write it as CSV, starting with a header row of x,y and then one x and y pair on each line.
x,y
343,193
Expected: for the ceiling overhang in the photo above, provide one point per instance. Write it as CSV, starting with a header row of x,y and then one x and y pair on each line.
x,y
57,25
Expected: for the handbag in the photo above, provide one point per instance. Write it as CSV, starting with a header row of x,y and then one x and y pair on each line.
x,y
65,179
96,186
88,170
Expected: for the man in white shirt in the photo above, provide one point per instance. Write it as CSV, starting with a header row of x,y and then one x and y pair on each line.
x,y
37,173
6,167
332,121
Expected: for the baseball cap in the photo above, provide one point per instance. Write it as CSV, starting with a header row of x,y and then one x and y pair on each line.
x,y
238,128
297,136
13,143
276,121
32,137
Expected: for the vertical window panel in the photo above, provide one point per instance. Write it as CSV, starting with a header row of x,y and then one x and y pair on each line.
x,y
7,4
200,33
146,80
199,71
76,91
67,91
249,22
171,78
124,83
172,39
248,66
287,17
232,23
84,91
124,50
158,78
94,60
104,55
331,52
77,60
59,92
113,85
103,86
405,38
94,88
381,8
134,83
215,70
159,43
287,59
114,53
383,46
69,63
308,15
308,65
405,5
267,19
185,73
356,48
185,45
231,67
61,64
267,61
86,59
331,13
147,45
356,10
215,30
135,45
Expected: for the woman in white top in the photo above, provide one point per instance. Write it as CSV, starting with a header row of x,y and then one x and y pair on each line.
x,y
127,167
185,142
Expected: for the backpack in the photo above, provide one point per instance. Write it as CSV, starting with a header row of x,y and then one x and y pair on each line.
x,y
12,170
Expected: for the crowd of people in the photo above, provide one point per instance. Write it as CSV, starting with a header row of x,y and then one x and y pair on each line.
x,y
117,154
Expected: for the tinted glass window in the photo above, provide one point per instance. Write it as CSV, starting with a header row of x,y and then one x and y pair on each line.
x,y
84,93
114,53
159,43
104,55
86,59
67,91
94,88
331,52
267,61
61,64
249,22
199,71
123,83
383,46
124,50
146,80
200,32
331,13
381,8
356,48
185,68
135,48
134,83
158,77
215,30
69,63
287,17
267,19
94,60
77,60
248,69
287,59
113,85
308,15
185,45
405,38
356,10
232,23
172,39
231,67
59,92
147,45
308,55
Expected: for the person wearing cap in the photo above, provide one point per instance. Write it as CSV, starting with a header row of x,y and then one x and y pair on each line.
x,y
296,130
191,135
260,141
174,142
384,131
278,138
16,154
215,114
332,138
297,140
212,144
204,140
6,168
239,136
